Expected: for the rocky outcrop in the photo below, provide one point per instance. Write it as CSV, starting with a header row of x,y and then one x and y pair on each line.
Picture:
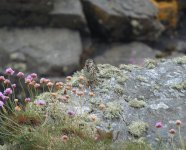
x,y
45,51
128,100
129,19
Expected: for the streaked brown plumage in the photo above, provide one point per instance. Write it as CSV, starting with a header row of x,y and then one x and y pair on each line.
x,y
91,71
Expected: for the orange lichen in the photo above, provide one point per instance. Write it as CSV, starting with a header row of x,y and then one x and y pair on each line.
x,y
168,12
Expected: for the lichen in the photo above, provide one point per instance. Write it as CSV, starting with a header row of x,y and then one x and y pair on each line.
x,y
112,110
108,71
141,78
129,67
121,79
180,60
150,63
137,103
119,89
138,128
74,80
179,86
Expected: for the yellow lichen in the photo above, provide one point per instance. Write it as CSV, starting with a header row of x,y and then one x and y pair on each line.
x,y
150,63
180,60
137,103
138,128
168,12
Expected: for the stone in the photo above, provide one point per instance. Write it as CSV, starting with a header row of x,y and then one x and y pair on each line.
x,y
123,20
68,13
163,91
47,51
63,14
118,53
41,6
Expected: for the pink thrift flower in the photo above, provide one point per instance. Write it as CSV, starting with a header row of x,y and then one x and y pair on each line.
x,y
178,122
8,91
9,71
33,75
27,99
2,78
13,86
71,113
40,102
159,125
172,131
2,97
1,104
6,81
20,74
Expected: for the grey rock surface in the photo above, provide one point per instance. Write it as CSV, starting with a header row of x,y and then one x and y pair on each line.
x,y
132,53
45,51
41,6
68,13
129,19
159,88
62,14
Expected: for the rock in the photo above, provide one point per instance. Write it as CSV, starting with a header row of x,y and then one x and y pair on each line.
x,y
47,53
68,13
41,6
64,14
132,53
161,89
126,20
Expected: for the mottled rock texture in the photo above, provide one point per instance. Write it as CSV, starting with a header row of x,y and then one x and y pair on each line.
x,y
157,88
118,19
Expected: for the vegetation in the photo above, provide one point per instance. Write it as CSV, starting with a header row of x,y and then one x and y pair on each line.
x,y
40,118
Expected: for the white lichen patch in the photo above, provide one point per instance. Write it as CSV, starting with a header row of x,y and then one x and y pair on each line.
x,y
119,90
179,86
141,78
180,60
137,103
129,67
158,106
108,71
150,63
112,110
138,128
121,79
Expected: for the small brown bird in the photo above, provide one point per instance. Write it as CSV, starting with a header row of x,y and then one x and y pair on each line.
x,y
91,71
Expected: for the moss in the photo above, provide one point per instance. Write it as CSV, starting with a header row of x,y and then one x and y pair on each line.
x,y
128,67
119,89
150,63
137,103
112,110
138,128
141,78
180,60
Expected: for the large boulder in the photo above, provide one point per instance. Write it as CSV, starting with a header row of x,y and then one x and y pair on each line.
x,y
62,14
119,53
128,100
129,19
41,6
68,13
45,51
